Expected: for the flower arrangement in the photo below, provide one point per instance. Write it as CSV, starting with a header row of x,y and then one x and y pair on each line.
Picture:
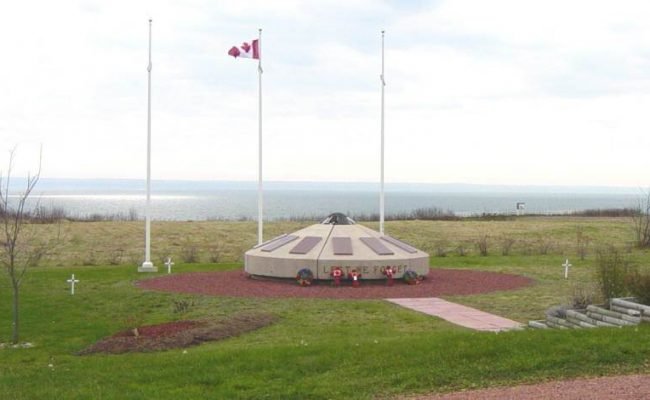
x,y
336,274
389,272
305,277
355,277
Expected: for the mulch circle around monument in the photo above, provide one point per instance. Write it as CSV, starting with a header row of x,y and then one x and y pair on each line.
x,y
178,334
237,283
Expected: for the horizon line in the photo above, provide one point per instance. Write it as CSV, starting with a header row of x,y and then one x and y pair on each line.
x,y
344,183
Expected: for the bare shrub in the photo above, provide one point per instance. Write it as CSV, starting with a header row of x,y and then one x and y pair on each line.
x,y
506,245
190,254
612,272
527,247
135,258
182,306
116,256
441,249
583,295
482,244
214,254
133,214
544,245
582,242
90,258
47,215
639,286
462,249
605,212
433,214
422,214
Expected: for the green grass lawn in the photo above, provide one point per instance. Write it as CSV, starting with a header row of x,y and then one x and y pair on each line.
x,y
318,349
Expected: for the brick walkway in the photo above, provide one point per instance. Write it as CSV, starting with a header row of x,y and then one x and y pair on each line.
x,y
458,314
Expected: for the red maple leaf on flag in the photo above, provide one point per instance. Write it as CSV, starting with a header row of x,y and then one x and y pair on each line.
x,y
246,50
234,52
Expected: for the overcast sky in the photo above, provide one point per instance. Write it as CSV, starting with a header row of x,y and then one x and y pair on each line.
x,y
491,92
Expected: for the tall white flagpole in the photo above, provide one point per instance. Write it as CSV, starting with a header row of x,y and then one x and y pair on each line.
x,y
147,265
381,191
260,197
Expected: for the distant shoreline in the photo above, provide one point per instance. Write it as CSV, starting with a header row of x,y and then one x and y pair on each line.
x,y
51,215
138,185
237,201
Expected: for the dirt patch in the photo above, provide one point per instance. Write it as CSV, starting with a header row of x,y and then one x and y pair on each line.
x,y
179,334
236,283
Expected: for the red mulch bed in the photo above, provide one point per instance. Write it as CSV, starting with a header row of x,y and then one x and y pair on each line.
x,y
236,283
167,329
178,334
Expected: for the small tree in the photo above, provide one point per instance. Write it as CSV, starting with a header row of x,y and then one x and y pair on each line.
x,y
641,221
19,250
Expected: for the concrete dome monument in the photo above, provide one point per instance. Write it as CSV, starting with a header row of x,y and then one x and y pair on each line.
x,y
336,242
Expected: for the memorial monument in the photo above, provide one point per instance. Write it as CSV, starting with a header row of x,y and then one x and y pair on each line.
x,y
336,242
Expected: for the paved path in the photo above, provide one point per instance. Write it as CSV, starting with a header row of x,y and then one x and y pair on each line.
x,y
628,387
458,314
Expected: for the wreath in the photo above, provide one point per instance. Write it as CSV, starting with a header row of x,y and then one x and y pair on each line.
x,y
305,277
412,277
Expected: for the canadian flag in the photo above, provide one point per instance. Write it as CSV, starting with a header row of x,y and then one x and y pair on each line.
x,y
246,50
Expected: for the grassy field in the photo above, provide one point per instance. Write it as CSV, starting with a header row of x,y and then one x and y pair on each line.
x,y
319,349
105,243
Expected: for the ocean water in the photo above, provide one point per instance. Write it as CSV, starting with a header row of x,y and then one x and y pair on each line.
x,y
233,200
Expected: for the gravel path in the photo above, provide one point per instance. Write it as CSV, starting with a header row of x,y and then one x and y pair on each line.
x,y
236,283
626,387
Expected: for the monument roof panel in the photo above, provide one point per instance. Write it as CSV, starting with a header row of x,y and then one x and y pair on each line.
x,y
342,246
276,244
404,246
306,244
376,246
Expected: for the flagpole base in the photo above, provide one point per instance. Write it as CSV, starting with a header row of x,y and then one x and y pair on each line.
x,y
147,266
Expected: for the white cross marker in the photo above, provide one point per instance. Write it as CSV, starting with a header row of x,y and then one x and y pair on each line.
x,y
169,264
566,266
72,281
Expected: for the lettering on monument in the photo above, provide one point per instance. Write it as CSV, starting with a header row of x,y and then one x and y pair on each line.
x,y
373,270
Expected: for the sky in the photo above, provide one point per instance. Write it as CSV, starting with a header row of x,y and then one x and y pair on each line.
x,y
500,92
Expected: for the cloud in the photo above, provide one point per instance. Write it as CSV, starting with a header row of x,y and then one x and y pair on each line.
x,y
484,92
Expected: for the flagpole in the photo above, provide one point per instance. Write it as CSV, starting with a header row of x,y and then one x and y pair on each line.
x,y
260,198
381,191
147,265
